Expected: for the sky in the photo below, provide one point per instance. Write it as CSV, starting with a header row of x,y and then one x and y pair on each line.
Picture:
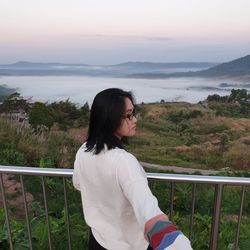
x,y
101,32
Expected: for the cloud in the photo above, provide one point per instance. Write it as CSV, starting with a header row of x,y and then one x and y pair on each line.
x,y
122,37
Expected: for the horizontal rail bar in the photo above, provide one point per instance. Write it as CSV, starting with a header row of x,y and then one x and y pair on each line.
x,y
153,176
36,171
200,179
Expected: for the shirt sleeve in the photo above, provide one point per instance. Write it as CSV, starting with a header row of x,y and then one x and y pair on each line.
x,y
133,181
76,182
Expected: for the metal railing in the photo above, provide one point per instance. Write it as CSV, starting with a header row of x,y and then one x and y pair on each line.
x,y
217,181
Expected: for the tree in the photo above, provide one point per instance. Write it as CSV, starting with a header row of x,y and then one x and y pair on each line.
x,y
214,97
40,116
14,102
5,91
238,94
85,107
65,113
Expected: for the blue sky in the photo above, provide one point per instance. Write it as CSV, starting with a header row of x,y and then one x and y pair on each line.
x,y
114,31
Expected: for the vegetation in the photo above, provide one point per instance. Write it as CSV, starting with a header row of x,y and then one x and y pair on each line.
x,y
64,114
14,101
237,104
210,135
5,91
213,135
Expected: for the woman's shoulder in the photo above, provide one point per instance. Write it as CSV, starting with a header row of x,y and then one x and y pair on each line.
x,y
123,154
115,154
128,166
82,148
127,160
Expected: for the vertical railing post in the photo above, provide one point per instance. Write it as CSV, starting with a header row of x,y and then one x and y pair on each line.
x,y
216,217
171,201
46,212
26,213
67,212
192,212
6,212
239,217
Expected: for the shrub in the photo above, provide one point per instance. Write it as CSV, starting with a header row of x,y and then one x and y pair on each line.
x,y
224,139
237,156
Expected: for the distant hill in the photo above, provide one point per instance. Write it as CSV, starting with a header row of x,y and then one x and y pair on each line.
x,y
24,68
236,68
150,65
117,70
25,64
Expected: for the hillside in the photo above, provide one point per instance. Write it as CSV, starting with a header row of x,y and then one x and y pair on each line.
x,y
236,68
4,91
239,68
27,65
209,135
178,134
117,70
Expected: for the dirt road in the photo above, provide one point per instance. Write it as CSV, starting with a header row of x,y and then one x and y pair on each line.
x,y
180,169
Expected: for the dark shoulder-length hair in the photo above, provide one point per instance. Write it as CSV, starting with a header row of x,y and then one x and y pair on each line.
x,y
106,114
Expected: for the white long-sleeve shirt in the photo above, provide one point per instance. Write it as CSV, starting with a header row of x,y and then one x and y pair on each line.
x,y
116,199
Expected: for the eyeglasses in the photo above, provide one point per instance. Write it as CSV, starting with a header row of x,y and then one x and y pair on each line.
x,y
130,116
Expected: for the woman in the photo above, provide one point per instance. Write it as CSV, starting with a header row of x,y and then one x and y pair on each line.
x,y
117,203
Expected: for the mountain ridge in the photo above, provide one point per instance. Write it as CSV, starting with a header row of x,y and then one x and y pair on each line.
x,y
123,64
118,70
234,68
40,64
239,67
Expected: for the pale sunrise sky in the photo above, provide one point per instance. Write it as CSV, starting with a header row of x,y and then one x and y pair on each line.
x,y
115,31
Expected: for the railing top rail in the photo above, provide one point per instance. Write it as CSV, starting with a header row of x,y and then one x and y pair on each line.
x,y
61,172
200,179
